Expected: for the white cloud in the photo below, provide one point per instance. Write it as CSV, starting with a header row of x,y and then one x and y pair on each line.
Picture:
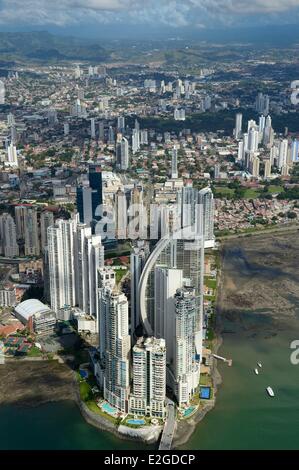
x,y
170,12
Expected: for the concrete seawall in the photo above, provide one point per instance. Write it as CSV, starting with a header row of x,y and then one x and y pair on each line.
x,y
148,435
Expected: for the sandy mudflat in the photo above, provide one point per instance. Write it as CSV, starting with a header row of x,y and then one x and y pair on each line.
x,y
267,277
35,383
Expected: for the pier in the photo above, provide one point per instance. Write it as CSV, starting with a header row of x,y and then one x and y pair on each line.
x,y
169,428
228,361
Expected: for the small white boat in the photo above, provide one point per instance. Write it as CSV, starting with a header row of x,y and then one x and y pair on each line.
x,y
256,371
259,364
270,391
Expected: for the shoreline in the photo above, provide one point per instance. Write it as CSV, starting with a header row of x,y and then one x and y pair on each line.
x,y
245,270
151,434
186,428
148,435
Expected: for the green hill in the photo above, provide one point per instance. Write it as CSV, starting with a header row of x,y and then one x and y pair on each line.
x,y
44,46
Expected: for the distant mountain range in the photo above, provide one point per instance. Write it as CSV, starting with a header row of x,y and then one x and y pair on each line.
x,y
44,46
51,47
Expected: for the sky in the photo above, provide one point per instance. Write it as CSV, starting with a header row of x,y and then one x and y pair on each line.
x,y
83,15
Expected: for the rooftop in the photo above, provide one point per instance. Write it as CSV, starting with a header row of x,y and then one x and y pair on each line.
x,y
31,307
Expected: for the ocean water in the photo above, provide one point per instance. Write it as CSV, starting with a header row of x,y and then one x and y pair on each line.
x,y
53,426
245,417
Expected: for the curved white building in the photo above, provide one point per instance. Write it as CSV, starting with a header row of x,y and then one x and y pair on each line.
x,y
171,252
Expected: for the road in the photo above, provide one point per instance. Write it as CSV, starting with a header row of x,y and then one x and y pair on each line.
x,y
169,427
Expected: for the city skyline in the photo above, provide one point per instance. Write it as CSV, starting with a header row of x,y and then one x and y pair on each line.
x,y
148,224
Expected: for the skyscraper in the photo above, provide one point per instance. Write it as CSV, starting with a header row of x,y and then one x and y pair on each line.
x,y
241,151
101,131
253,139
96,184
111,136
20,213
188,202
295,151
32,245
238,126
2,92
121,215
12,157
8,238
267,170
262,103
46,220
174,163
137,227
143,137
113,313
262,123
167,281
173,253
135,141
206,199
283,153
149,378
92,128
61,264
122,154
178,319
186,370
255,166
137,262
84,204
268,135
90,198
88,258
121,123
179,114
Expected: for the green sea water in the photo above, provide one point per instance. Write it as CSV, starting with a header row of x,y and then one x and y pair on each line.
x,y
245,417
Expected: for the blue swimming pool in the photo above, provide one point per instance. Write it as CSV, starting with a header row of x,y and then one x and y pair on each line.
x,y
109,409
205,393
136,421
83,373
189,411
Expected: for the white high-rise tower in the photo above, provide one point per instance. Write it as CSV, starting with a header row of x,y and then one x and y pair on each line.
x,y
115,349
206,198
122,154
12,157
238,126
174,163
149,378
88,258
61,264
